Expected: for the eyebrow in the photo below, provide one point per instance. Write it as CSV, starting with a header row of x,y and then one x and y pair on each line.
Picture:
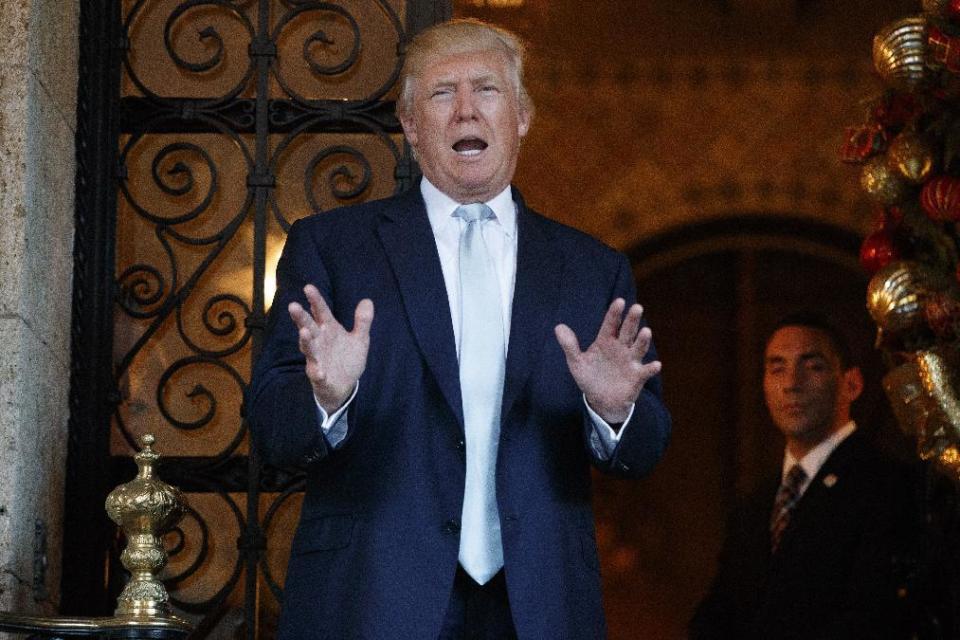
x,y
442,83
806,356
451,82
489,77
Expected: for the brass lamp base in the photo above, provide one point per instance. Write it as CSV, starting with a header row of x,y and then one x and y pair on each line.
x,y
144,508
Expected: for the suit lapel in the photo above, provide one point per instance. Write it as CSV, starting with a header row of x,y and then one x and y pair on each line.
x,y
833,472
410,246
823,487
535,299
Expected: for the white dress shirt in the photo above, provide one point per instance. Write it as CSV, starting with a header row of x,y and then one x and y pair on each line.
x,y
500,236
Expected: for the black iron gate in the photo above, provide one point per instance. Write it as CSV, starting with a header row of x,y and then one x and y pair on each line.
x,y
205,127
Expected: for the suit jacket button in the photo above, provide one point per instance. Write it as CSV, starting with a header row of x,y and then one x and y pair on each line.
x,y
461,446
451,526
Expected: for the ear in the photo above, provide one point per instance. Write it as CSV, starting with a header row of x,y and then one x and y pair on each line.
x,y
523,122
852,383
409,129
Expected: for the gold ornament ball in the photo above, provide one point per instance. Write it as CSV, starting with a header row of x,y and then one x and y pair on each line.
x,y
897,293
899,53
881,183
911,157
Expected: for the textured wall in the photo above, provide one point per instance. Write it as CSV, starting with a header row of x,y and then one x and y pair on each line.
x,y
37,103
655,115
651,145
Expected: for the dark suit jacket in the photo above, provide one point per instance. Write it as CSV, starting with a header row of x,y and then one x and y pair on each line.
x,y
376,549
840,563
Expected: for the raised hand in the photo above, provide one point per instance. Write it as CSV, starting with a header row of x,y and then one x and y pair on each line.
x,y
335,357
611,372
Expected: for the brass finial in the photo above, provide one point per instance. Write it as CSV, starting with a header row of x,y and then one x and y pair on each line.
x,y
144,508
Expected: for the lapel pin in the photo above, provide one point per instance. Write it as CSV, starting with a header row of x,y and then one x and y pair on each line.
x,y
829,480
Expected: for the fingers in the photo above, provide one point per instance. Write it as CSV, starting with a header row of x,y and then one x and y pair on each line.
x,y
307,344
310,325
619,327
649,370
318,306
363,317
631,325
321,315
642,344
299,315
627,332
610,326
568,341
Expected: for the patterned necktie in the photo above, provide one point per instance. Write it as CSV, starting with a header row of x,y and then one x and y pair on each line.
x,y
787,497
482,365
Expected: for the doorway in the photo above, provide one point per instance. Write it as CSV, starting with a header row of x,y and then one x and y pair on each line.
x,y
712,293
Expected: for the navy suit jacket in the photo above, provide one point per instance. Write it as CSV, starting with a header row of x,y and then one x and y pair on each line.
x,y
840,565
375,553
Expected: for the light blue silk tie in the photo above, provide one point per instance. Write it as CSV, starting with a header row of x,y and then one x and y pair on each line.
x,y
482,364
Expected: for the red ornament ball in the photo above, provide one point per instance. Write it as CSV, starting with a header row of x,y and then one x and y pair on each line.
x,y
940,198
862,141
953,9
942,313
877,251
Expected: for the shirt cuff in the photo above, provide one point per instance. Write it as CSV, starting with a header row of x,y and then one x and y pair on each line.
x,y
603,439
335,425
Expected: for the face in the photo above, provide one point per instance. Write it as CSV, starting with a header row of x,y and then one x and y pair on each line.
x,y
466,124
807,391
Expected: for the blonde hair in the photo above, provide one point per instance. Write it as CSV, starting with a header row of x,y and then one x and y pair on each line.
x,y
463,35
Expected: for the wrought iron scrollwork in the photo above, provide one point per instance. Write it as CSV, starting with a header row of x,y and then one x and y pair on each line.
x,y
206,35
344,184
348,180
141,287
200,391
152,291
182,172
322,39
268,518
200,546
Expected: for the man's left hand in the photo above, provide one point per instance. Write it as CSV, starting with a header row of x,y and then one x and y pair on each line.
x,y
611,372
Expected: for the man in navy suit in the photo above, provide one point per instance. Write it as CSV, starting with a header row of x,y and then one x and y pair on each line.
x,y
421,520
822,550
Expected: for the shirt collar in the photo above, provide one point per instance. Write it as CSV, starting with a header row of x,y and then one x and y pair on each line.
x,y
440,207
816,457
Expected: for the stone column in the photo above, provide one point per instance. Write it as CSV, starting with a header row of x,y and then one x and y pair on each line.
x,y
38,80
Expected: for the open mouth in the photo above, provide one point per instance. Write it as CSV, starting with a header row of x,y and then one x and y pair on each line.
x,y
469,146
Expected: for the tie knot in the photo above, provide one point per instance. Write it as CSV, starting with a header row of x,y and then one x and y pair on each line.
x,y
473,212
795,478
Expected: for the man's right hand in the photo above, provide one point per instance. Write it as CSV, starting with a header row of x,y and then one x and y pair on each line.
x,y
335,357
